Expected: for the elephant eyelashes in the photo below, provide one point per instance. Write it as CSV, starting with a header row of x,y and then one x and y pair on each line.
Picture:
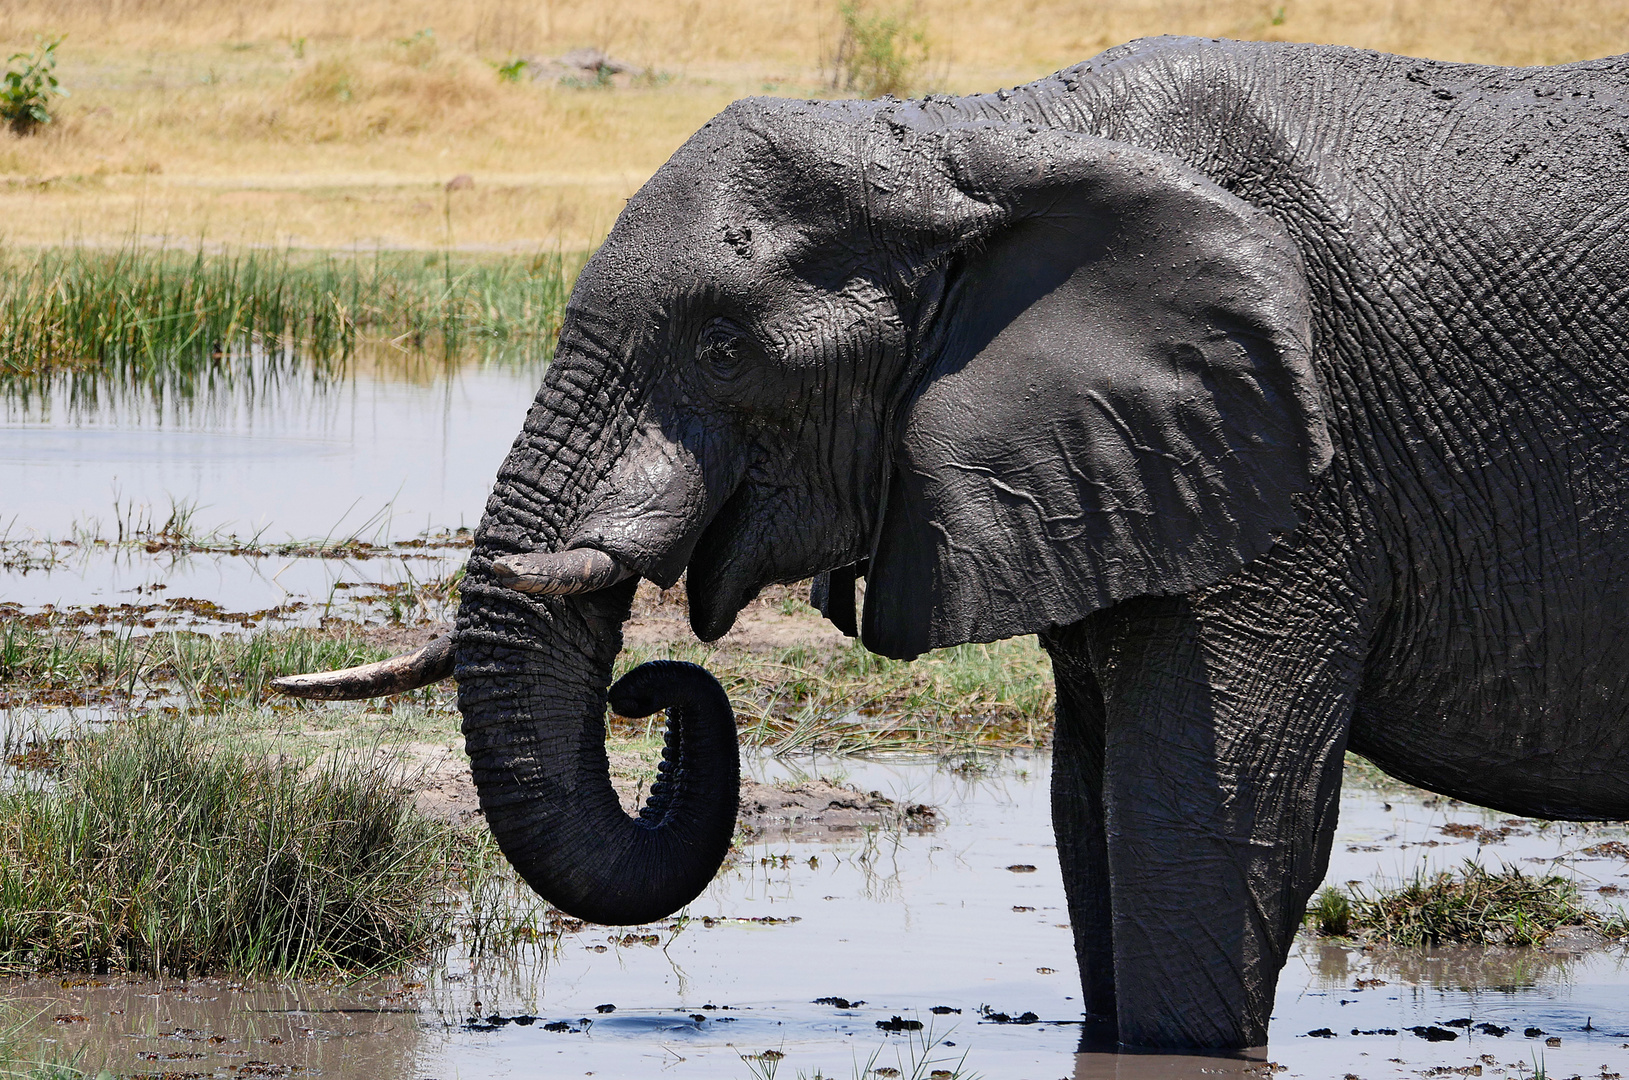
x,y
724,349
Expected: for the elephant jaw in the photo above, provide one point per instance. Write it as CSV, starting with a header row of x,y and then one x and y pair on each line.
x,y
724,574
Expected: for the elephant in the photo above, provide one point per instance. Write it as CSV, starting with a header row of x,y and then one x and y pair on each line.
x,y
1279,388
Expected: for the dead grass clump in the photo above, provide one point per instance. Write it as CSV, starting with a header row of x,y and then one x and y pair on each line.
x,y
395,91
1024,39
332,80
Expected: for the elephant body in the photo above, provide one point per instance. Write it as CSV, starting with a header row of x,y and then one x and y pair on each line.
x,y
1280,388
1453,605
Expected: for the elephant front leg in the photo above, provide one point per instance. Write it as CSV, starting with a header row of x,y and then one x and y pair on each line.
x,y
1077,816
1224,738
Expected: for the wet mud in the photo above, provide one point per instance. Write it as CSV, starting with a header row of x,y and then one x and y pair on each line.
x,y
796,808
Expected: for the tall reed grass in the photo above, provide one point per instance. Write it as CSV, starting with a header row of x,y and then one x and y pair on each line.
x,y
143,315
157,849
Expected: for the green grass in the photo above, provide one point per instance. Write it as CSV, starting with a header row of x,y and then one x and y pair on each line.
x,y
848,700
24,1057
1474,906
44,662
841,699
160,847
1331,912
148,316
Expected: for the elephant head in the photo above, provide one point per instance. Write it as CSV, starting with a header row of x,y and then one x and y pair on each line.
x,y
1016,375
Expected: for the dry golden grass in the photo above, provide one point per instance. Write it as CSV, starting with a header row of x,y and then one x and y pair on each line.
x,y
332,125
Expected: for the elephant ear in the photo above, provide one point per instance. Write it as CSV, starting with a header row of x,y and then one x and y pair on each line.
x,y
1116,394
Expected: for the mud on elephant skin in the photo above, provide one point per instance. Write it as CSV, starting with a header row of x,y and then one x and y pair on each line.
x,y
1279,388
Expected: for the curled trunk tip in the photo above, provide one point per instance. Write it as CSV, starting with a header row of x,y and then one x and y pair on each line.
x,y
589,858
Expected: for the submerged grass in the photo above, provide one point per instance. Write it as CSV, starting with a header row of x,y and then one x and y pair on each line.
x,y
156,848
145,315
24,1056
1475,906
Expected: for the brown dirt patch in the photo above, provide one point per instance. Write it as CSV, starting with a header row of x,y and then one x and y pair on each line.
x,y
780,618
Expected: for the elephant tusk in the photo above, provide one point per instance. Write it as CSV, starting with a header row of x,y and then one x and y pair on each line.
x,y
409,671
560,573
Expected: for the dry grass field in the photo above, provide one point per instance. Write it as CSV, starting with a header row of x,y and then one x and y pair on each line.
x,y
332,125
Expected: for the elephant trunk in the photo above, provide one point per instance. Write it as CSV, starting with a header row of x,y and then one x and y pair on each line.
x,y
532,677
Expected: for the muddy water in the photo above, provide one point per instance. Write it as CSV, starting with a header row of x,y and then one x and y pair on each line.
x,y
896,925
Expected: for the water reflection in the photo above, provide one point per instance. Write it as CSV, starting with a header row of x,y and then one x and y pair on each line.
x,y
265,448
1112,1064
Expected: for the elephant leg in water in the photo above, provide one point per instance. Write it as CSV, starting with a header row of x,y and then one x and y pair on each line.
x,y
1168,813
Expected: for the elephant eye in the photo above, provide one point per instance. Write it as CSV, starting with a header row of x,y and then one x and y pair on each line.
x,y
724,348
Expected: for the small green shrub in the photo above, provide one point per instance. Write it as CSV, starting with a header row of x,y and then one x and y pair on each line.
x,y
878,53
27,90
1331,913
510,72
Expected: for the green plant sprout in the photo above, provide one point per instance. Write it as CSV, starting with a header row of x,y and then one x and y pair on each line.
x,y
26,92
878,53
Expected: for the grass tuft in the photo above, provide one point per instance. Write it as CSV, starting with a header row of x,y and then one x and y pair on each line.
x,y
1331,913
158,849
1476,906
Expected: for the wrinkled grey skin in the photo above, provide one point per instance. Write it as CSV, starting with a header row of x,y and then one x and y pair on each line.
x,y
1280,388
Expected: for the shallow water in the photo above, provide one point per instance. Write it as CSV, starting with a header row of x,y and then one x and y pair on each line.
x,y
288,454
379,456
127,589
896,924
